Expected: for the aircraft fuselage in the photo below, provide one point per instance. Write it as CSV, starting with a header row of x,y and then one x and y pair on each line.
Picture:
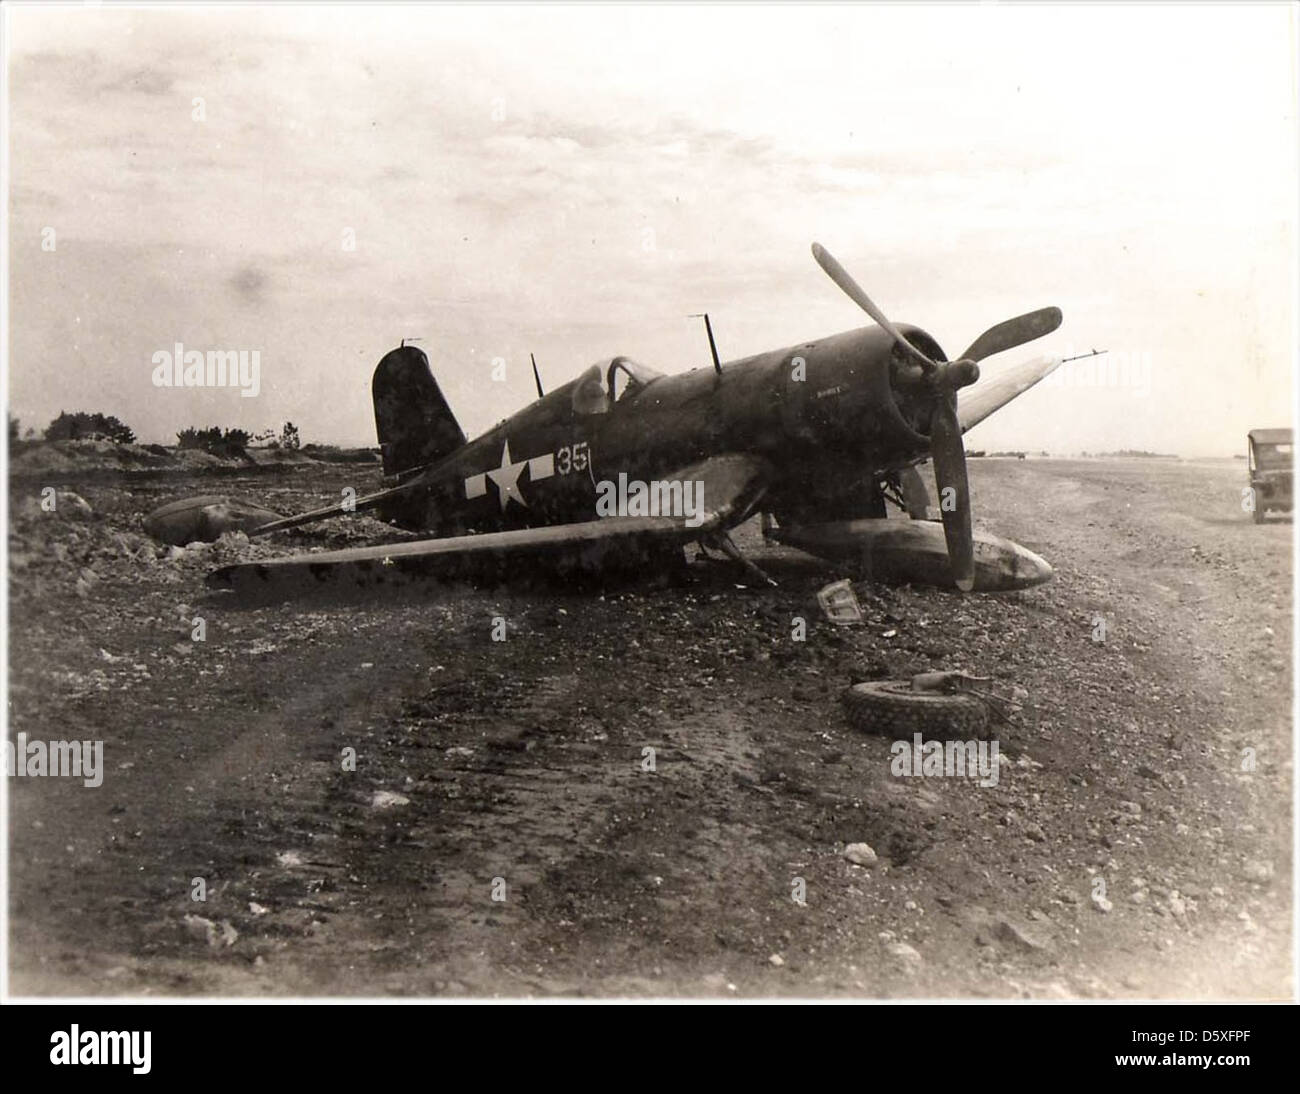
x,y
829,415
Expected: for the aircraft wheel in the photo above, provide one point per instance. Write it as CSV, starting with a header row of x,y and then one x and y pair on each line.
x,y
892,709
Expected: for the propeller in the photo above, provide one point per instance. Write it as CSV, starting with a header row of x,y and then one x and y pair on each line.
x,y
853,291
944,378
1014,332
949,456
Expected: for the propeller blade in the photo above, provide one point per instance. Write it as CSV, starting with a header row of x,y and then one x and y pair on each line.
x,y
853,291
950,475
1014,332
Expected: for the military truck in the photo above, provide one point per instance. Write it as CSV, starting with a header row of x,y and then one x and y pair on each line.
x,y
1270,471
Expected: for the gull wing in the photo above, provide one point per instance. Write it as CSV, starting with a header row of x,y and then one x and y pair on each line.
x,y
993,392
731,487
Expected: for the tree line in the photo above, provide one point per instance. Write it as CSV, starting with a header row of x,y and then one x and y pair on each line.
x,y
81,425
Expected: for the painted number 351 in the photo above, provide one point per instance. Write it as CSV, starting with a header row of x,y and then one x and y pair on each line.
x,y
572,458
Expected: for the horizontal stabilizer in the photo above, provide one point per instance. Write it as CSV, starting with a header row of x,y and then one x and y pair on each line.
x,y
205,519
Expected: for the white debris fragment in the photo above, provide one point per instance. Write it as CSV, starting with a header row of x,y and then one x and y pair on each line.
x,y
904,954
860,854
215,935
839,603
72,506
1256,870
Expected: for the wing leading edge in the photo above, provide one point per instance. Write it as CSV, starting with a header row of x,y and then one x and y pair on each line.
x,y
977,402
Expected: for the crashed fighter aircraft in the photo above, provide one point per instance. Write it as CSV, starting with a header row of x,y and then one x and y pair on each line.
x,y
814,437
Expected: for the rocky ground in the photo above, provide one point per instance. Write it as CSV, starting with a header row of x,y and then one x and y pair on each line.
x,y
504,829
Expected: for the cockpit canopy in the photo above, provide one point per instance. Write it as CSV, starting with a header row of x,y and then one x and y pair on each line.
x,y
620,379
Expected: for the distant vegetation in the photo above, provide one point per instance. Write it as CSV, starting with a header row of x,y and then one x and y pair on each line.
x,y
330,454
219,441
1014,455
82,426
232,442
1131,453
227,442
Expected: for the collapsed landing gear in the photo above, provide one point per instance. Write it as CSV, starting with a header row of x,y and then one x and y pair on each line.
x,y
722,541
906,489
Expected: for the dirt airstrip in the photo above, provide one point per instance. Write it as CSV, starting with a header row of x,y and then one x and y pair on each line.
x,y
644,777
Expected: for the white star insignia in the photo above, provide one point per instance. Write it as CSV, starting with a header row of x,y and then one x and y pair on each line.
x,y
507,478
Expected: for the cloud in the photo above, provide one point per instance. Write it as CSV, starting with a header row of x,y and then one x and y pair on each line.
x,y
249,284
146,80
578,191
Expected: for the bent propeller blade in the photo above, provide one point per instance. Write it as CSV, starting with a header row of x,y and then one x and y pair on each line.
x,y
950,473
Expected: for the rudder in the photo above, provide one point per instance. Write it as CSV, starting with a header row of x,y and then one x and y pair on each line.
x,y
412,419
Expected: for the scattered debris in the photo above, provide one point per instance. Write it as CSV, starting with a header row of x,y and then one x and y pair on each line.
x,y
895,708
72,506
860,854
217,936
1006,929
839,603
906,956
1255,870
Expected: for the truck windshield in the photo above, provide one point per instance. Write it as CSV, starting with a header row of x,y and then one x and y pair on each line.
x,y
1273,455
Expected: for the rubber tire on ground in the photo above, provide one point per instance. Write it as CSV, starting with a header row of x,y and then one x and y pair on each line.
x,y
890,708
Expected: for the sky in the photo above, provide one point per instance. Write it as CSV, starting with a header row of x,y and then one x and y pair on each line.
x,y
575,182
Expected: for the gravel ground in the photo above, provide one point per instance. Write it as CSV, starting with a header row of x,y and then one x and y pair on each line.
x,y
504,831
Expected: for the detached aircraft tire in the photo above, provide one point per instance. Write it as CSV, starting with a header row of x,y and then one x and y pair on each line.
x,y
891,708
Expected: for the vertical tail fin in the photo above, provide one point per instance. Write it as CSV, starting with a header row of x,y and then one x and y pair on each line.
x,y
414,423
